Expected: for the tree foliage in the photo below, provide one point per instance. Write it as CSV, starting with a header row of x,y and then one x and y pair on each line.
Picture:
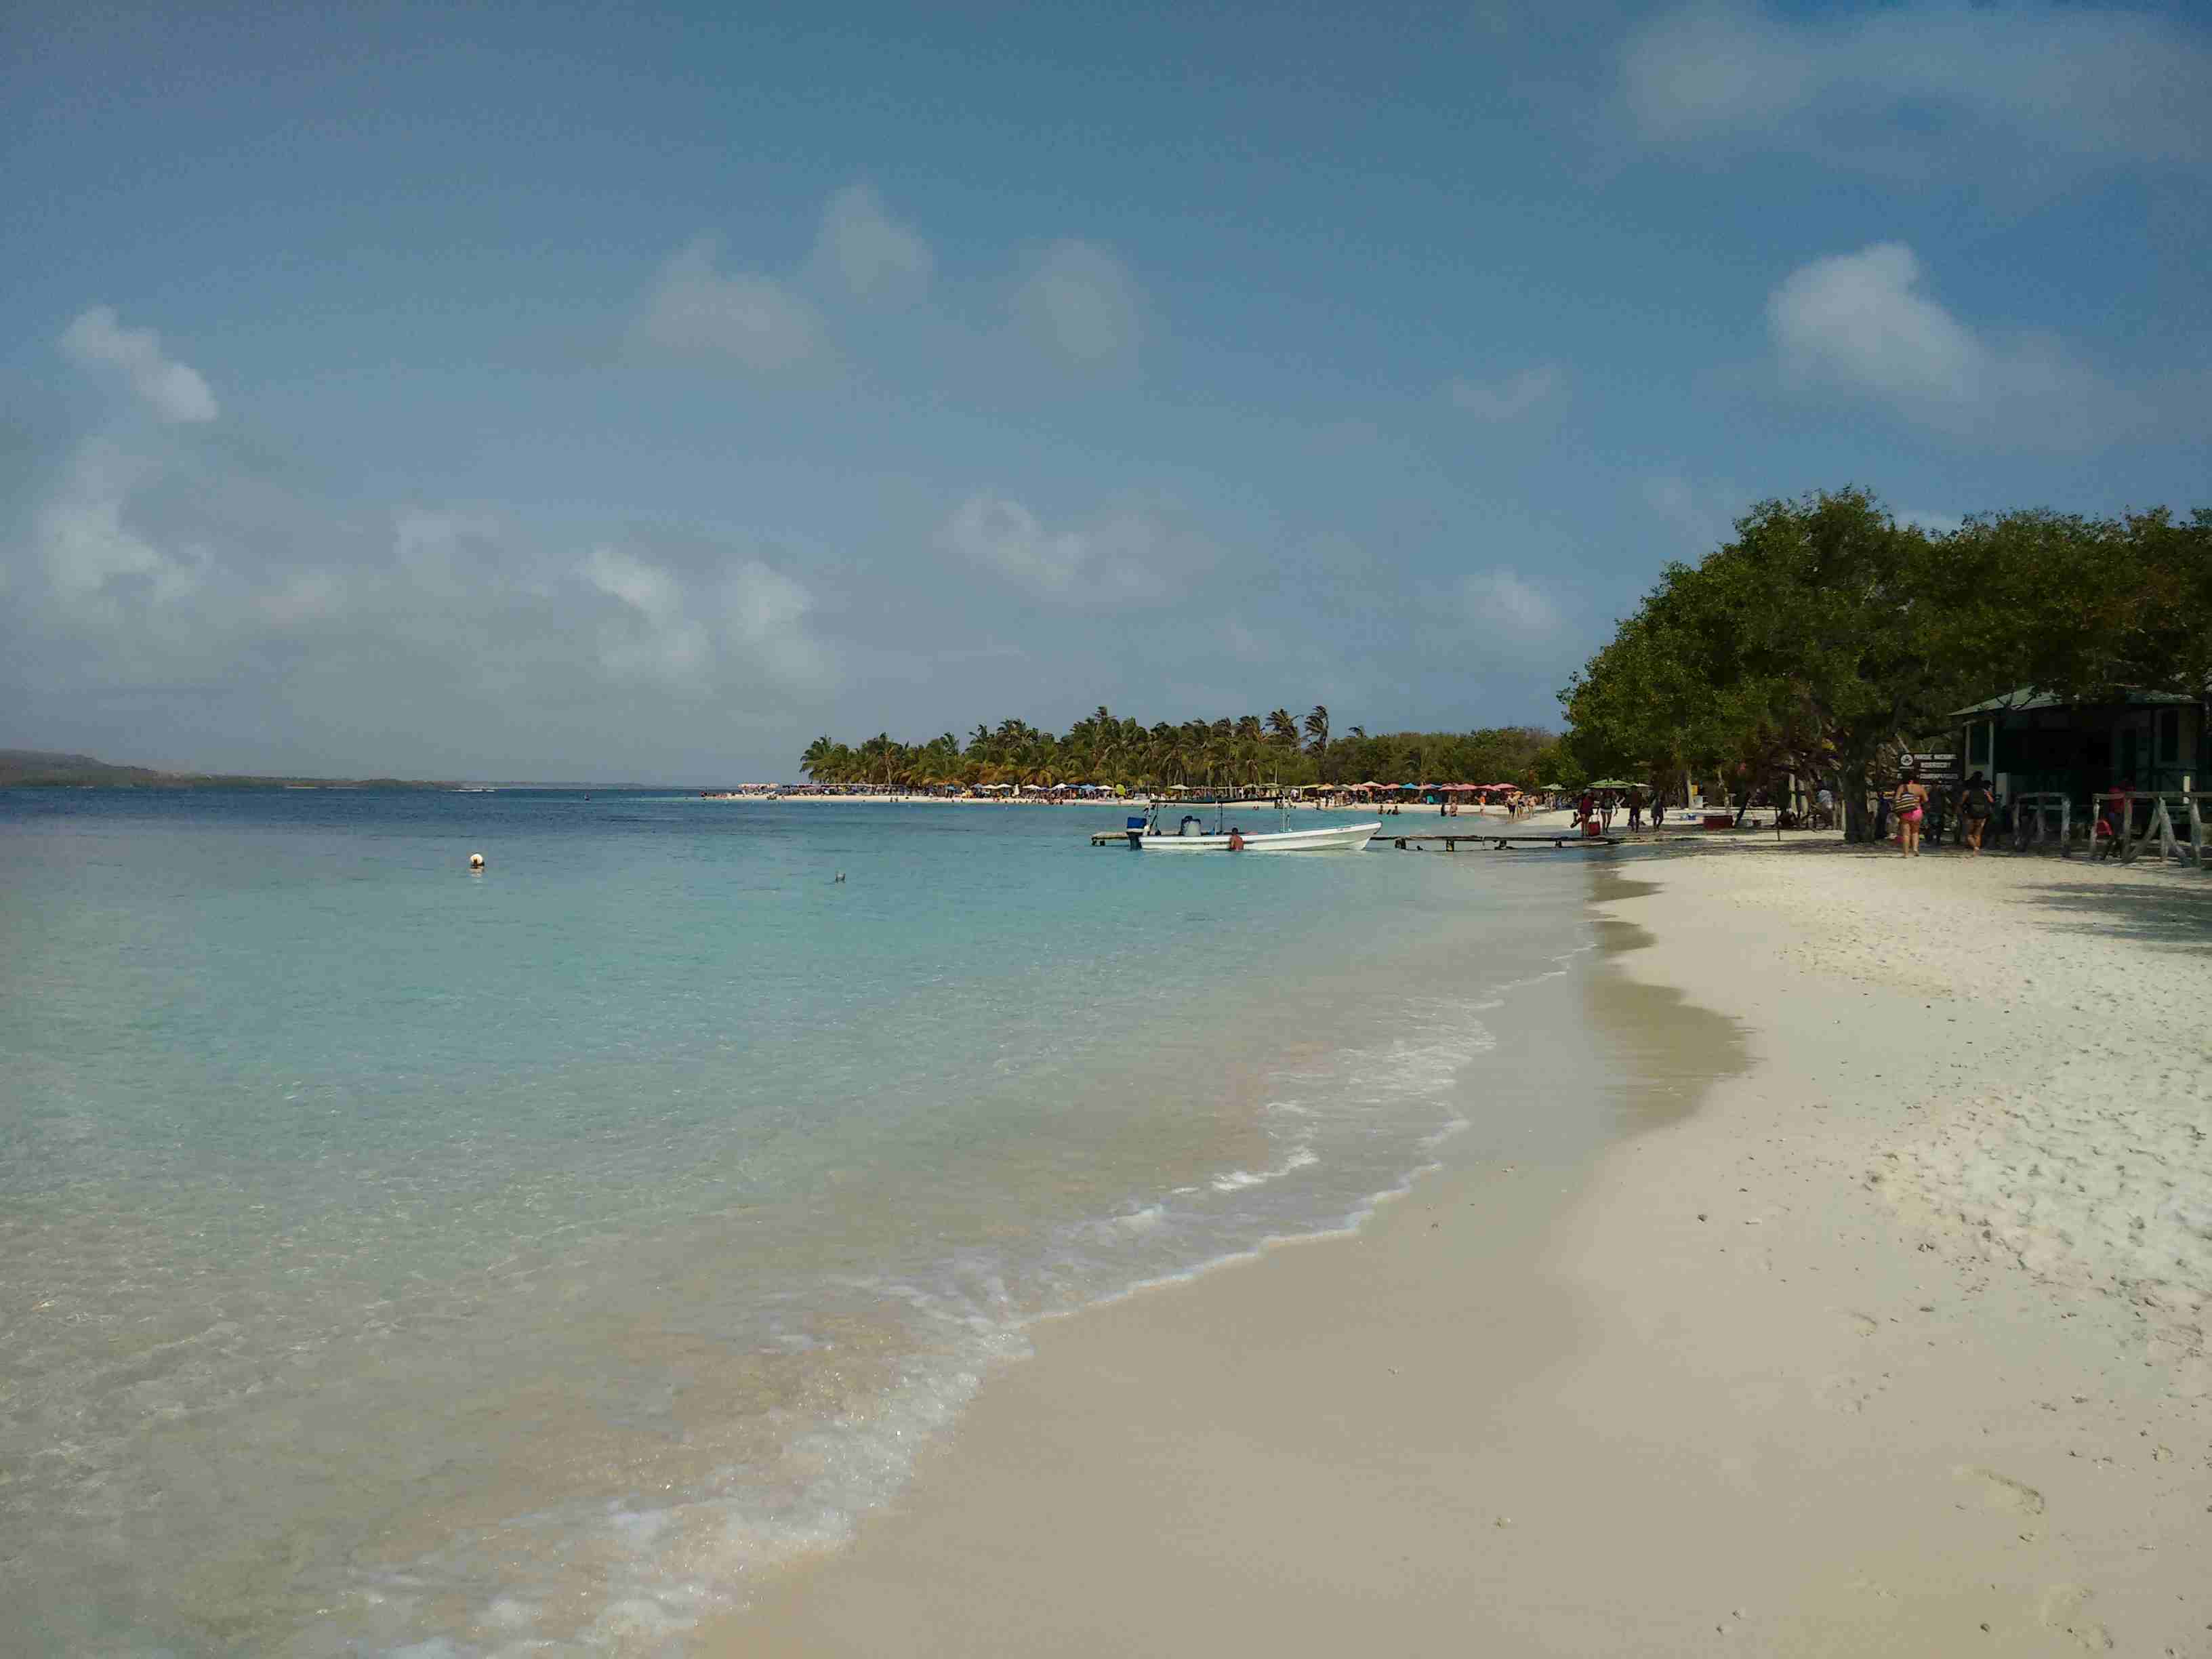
x,y
1826,635
1110,750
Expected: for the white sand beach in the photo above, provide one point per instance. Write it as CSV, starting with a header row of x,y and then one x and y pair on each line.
x,y
1895,1344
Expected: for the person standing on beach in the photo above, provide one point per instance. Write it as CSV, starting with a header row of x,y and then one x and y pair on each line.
x,y
1912,797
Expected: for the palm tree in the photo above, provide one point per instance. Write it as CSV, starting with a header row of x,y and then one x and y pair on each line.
x,y
816,762
1283,728
1317,730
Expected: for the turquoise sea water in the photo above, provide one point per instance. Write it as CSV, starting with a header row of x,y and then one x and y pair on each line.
x,y
400,1259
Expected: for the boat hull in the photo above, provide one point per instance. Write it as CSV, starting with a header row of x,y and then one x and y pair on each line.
x,y
1336,837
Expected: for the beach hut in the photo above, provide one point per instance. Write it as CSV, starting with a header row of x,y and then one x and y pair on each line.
x,y
2026,743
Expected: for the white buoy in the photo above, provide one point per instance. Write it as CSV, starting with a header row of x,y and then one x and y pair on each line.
x,y
475,860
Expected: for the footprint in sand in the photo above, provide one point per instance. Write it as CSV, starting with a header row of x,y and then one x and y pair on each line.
x,y
1846,1393
1864,1324
2062,1611
2002,1492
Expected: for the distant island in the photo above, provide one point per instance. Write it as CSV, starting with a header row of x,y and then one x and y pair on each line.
x,y
37,768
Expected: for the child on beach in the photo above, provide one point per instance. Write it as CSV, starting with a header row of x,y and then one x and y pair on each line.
x,y
2113,820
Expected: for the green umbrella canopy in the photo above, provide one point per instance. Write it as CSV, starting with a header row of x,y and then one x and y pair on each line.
x,y
1615,783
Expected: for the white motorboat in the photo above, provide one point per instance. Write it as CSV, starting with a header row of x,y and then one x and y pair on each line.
x,y
1191,836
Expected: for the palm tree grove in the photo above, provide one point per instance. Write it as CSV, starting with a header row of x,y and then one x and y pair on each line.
x,y
1249,749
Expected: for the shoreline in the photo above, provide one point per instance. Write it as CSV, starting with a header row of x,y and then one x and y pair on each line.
x,y
1102,803
1785,1369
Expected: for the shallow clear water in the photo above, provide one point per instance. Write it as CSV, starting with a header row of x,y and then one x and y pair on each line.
x,y
394,1255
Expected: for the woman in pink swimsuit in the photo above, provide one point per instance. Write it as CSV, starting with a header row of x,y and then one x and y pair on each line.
x,y
1911,796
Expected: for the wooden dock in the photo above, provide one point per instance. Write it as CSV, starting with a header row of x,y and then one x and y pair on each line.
x,y
1494,841
1490,839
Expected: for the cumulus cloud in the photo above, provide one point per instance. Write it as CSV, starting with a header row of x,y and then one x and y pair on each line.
x,y
747,317
651,635
870,253
323,633
1859,323
1702,516
1508,399
684,634
96,339
1116,561
2096,83
96,562
1502,598
1935,524
1081,304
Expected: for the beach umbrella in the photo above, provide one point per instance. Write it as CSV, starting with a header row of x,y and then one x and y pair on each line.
x,y
1615,783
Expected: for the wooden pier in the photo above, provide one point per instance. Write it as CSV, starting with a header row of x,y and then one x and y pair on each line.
x,y
1494,841
1490,839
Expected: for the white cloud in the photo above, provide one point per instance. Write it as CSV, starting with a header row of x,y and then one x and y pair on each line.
x,y
1935,524
1702,517
1502,598
764,615
652,637
303,597
96,563
744,315
872,254
1115,563
433,549
1246,645
1507,399
174,390
686,635
1082,303
1858,322
2101,84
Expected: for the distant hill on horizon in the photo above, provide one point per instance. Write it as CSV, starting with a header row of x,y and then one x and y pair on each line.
x,y
40,768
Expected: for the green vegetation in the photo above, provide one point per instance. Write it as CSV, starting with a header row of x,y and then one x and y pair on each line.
x,y
1826,637
33,768
1253,748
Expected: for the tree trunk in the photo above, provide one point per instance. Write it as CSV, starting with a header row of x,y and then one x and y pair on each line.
x,y
1857,826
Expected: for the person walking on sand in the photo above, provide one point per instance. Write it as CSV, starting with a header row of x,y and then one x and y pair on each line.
x,y
1911,798
1977,806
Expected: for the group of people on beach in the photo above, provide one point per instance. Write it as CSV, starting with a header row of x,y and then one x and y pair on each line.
x,y
1919,806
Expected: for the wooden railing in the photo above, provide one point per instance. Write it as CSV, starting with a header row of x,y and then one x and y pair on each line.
x,y
2031,819
2128,847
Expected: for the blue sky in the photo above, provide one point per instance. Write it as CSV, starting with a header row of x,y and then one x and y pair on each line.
x,y
552,391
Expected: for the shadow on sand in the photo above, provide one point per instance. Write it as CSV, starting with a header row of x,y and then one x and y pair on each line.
x,y
2175,915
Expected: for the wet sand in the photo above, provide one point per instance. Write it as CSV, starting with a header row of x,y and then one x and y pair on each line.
x,y
1726,1384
